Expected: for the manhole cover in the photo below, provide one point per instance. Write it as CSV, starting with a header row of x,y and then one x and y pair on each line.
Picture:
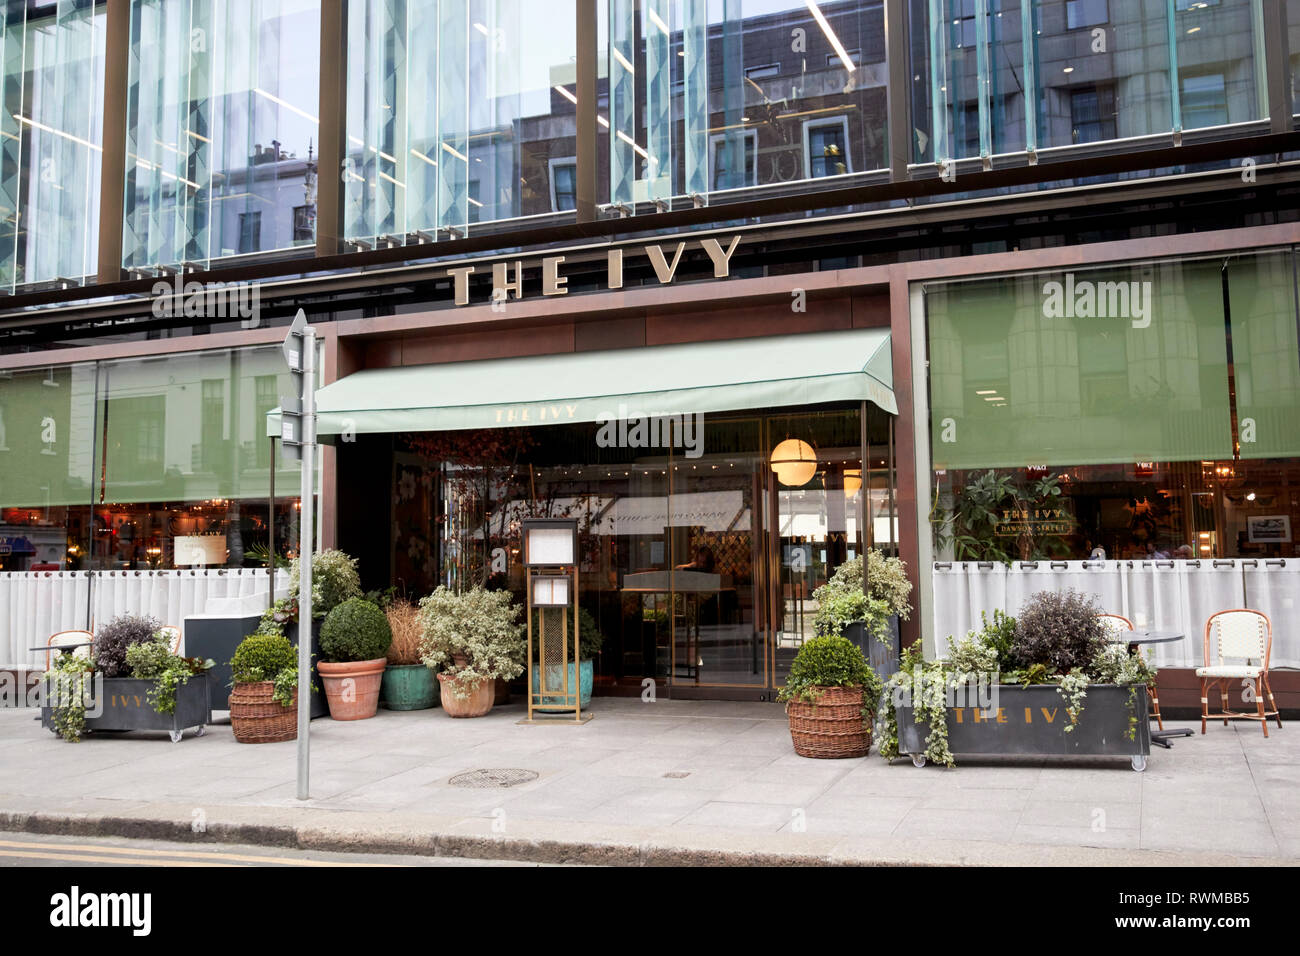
x,y
677,774
487,779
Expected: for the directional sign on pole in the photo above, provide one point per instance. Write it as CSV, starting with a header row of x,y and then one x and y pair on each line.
x,y
291,406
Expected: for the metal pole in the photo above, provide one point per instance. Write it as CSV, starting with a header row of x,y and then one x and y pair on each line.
x,y
305,552
270,530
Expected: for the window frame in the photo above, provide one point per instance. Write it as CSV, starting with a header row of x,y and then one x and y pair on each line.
x,y
751,136
551,165
842,121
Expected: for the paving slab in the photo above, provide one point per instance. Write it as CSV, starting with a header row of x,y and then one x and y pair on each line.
x,y
669,782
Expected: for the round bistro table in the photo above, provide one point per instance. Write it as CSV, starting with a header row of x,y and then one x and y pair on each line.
x,y
1135,639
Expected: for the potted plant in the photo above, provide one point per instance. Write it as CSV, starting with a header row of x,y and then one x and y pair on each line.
x,y
843,608
1020,686
831,699
354,642
134,682
407,684
590,640
334,580
475,637
264,700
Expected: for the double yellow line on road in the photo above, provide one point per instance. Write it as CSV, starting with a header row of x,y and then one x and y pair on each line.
x,y
144,856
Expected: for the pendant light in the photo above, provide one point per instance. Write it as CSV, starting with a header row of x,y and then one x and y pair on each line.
x,y
795,462
852,481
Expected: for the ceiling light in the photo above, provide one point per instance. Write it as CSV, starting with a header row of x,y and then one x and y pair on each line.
x,y
658,21
830,35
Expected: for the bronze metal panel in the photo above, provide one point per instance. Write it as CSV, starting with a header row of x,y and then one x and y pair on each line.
x,y
905,448
112,165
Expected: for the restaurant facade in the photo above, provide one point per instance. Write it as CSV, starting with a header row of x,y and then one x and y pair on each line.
x,y
1037,328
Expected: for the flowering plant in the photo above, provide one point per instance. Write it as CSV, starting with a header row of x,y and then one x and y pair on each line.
x,y
474,636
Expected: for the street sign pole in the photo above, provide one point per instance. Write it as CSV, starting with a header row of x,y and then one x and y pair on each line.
x,y
306,548
298,440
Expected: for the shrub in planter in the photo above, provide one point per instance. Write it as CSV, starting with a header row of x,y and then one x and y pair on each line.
x,y
354,642
1056,641
154,661
475,637
153,690
334,579
112,640
832,695
842,608
263,704
1058,630
407,684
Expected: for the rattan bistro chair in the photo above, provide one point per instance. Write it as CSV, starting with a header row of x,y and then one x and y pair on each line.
x,y
59,644
1238,634
173,636
1116,626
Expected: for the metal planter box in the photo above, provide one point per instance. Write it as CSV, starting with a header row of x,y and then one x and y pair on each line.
x,y
881,655
1031,721
124,705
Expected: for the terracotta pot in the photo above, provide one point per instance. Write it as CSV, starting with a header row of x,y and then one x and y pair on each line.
x,y
478,703
352,687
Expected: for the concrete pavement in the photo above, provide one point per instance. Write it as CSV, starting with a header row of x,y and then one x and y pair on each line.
x,y
662,782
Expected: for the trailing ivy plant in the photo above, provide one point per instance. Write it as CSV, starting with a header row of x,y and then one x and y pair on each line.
x,y
924,685
1055,641
155,661
65,686
1073,688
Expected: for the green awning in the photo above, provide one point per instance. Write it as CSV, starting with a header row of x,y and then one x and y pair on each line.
x,y
662,380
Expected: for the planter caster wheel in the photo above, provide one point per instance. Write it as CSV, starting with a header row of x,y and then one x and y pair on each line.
x,y
175,735
918,760
1139,763
200,730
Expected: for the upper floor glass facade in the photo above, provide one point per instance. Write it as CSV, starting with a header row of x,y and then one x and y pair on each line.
x,y
459,114
51,140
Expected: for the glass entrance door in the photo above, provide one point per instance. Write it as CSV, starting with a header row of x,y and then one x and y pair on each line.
x,y
715,614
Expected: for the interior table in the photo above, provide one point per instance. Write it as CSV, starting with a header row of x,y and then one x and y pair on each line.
x,y
1135,639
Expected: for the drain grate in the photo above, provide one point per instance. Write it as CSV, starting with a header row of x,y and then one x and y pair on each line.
x,y
491,779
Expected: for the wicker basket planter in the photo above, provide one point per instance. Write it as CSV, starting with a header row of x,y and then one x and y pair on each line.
x,y
830,727
257,719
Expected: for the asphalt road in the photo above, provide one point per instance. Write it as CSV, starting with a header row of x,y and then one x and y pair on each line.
x,y
34,849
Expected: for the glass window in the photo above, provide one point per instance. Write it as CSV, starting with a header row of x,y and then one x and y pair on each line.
x,y
1092,112
976,67
454,114
47,429
1205,101
1221,62
1086,13
221,126
828,147
679,77
564,184
727,173
184,455
50,141
250,231
1128,441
